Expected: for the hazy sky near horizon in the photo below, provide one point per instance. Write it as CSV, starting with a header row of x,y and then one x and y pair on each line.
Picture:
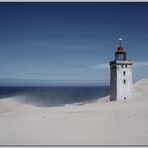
x,y
70,43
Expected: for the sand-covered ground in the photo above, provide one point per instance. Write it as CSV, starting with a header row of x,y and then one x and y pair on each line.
x,y
98,123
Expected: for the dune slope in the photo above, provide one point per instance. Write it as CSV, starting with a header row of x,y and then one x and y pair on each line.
x,y
98,123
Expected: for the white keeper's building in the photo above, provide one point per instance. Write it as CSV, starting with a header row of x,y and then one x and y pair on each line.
x,y
121,83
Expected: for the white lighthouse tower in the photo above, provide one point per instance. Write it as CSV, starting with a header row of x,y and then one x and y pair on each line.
x,y
120,76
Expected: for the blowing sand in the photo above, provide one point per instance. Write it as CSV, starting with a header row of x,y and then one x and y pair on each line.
x,y
98,123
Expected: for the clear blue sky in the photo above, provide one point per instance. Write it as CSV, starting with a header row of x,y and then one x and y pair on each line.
x,y
70,43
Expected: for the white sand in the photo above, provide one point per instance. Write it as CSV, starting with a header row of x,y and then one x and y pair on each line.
x,y
120,122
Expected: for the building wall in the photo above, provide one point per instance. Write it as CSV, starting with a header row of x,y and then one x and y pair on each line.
x,y
113,83
124,82
121,84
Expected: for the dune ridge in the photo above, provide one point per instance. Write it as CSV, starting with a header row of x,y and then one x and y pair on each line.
x,y
98,123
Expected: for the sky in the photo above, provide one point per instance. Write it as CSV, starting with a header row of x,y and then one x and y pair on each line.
x,y
70,43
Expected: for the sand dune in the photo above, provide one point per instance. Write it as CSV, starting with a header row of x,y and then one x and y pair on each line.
x,y
101,122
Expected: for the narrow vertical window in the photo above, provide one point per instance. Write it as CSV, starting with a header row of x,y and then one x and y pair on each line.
x,y
124,98
124,73
124,81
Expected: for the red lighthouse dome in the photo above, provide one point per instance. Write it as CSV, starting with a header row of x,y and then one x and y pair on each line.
x,y
120,54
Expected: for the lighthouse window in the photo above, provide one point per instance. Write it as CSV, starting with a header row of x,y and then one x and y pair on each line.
x,y
124,73
124,81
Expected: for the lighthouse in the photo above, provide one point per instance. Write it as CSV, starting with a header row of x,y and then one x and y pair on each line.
x,y
120,75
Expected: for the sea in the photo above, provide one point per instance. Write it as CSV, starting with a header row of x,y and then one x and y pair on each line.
x,y
53,96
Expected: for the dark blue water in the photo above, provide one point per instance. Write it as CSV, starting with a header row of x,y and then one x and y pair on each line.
x,y
55,96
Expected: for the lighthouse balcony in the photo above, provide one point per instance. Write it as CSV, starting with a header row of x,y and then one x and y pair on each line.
x,y
120,62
